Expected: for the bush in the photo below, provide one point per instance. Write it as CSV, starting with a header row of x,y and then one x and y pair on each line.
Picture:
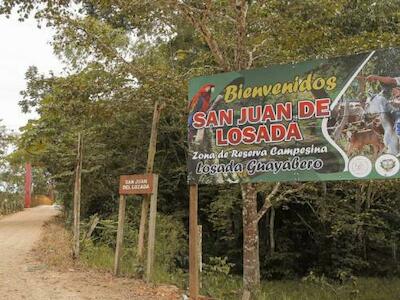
x,y
170,248
217,280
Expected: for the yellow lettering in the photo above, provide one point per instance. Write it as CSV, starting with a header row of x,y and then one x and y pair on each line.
x,y
287,87
230,93
331,83
305,84
267,89
276,89
257,92
247,93
318,84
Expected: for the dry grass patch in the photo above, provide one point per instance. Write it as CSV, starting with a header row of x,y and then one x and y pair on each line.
x,y
54,246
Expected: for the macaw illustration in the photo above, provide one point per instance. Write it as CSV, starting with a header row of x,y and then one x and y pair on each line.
x,y
203,139
200,102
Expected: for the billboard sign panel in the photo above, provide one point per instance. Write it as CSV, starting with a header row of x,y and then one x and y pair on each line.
x,y
325,119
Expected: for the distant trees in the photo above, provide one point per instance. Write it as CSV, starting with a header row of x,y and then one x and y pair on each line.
x,y
11,176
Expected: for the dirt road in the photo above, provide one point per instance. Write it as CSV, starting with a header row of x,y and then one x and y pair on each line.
x,y
21,277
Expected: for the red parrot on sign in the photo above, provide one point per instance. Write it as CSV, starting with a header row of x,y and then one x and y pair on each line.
x,y
200,102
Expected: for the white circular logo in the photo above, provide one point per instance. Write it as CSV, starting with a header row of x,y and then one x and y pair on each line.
x,y
387,165
360,166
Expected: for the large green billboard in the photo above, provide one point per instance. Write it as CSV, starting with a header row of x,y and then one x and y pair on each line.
x,y
325,119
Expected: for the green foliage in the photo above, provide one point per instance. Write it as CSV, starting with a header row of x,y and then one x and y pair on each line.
x,y
171,247
11,176
292,290
218,266
171,243
317,288
100,257
10,204
217,280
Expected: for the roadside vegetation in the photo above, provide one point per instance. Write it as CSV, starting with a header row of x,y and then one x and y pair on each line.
x,y
54,251
11,176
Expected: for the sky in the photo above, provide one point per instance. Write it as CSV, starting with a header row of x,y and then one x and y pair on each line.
x,y
22,45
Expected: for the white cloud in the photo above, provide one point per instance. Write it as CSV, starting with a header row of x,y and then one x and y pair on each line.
x,y
22,44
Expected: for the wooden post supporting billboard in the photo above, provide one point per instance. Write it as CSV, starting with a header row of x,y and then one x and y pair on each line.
x,y
200,247
77,197
193,244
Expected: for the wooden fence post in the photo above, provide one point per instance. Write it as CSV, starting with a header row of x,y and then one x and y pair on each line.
x,y
149,169
120,234
77,197
193,244
152,229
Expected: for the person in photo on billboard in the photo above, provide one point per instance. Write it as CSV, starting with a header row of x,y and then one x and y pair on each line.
x,y
394,84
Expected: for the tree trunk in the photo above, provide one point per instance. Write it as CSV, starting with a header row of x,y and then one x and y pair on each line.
x,y
394,250
251,262
359,198
271,231
323,210
359,228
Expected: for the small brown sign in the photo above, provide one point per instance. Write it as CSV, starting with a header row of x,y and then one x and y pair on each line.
x,y
136,184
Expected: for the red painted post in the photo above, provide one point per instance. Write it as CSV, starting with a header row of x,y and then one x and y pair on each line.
x,y
28,184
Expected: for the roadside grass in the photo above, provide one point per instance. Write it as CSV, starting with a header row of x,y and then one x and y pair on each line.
x,y
364,289
229,287
54,250
101,257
